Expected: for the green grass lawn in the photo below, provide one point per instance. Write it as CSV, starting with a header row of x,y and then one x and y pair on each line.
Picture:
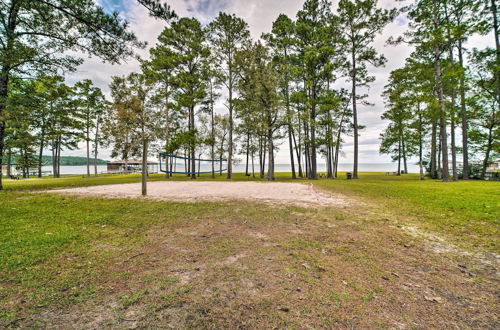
x,y
59,251
72,181
468,211
53,247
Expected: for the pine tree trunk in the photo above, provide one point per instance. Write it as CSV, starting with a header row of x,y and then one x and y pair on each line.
x,y
437,49
4,83
399,157
289,118
444,148
53,159
337,145
212,135
40,150
247,154
260,155
489,146
21,158
199,164
439,167
96,144
10,32
56,167
314,168
355,117
332,158
9,162
493,8
193,164
328,160
270,168
290,145
434,150
307,159
220,164
192,143
253,164
263,167
290,127
420,144
88,145
452,126
167,132
442,117
463,113
329,152
221,156
298,151
144,174
125,154
230,144
337,149
59,157
453,151
404,154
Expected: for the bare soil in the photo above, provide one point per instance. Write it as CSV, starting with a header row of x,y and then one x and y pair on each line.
x,y
271,192
291,268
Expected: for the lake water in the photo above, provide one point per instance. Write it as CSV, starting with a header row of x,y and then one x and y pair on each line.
x,y
240,168
76,169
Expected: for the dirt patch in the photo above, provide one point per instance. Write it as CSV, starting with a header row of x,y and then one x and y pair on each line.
x,y
270,192
439,244
218,273
317,268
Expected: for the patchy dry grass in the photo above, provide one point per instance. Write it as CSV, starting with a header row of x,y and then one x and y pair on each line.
x,y
121,263
466,212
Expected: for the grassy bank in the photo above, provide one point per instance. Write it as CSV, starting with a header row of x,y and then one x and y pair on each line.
x,y
72,181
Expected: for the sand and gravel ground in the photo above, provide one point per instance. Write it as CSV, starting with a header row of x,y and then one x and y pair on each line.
x,y
272,192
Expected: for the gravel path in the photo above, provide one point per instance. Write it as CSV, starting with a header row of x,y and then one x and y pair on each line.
x,y
272,192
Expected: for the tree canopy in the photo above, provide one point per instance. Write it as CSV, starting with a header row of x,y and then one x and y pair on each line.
x,y
304,82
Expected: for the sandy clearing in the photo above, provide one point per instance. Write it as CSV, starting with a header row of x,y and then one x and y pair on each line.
x,y
271,192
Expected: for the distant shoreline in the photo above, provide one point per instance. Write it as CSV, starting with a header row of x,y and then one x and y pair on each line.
x,y
241,167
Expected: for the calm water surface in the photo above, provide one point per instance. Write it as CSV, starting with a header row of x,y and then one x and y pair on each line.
x,y
240,168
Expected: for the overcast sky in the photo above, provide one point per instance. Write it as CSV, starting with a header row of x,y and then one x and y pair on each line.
x,y
260,14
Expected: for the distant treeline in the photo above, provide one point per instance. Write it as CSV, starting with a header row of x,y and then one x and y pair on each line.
x,y
72,160
65,160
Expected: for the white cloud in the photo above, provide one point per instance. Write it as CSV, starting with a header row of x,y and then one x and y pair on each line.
x,y
260,15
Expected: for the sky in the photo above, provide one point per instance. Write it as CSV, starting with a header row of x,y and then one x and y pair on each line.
x,y
260,14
